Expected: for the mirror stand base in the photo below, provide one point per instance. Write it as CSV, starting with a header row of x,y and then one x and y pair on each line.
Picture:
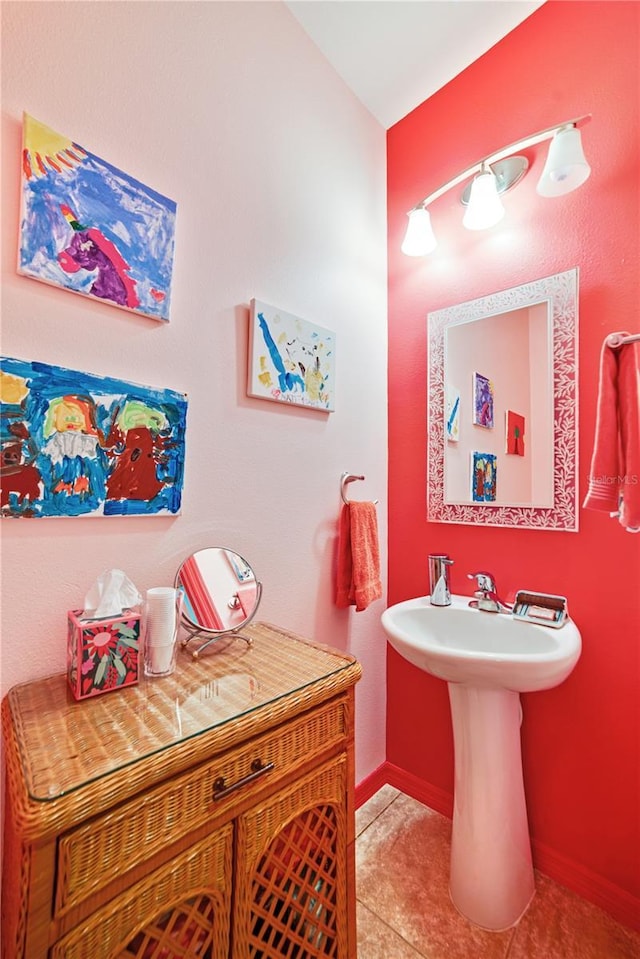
x,y
226,634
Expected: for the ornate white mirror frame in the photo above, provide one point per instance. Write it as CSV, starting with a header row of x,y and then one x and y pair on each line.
x,y
560,293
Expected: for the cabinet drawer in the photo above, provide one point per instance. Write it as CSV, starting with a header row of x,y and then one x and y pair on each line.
x,y
103,849
182,909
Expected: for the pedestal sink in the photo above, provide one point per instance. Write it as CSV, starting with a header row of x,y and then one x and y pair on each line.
x,y
487,660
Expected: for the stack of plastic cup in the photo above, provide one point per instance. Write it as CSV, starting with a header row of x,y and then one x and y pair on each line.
x,y
164,605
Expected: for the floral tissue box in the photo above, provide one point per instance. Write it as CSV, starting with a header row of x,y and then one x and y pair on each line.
x,y
102,654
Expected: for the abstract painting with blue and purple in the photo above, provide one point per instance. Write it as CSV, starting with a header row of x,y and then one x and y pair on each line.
x,y
90,228
482,401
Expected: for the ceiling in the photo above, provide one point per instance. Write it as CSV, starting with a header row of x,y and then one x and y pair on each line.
x,y
394,54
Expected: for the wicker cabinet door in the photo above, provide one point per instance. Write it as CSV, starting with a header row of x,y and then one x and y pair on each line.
x,y
291,872
181,910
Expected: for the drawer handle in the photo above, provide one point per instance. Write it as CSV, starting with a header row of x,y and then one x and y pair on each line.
x,y
257,770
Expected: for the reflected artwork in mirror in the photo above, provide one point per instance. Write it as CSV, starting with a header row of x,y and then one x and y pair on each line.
x,y
502,389
221,595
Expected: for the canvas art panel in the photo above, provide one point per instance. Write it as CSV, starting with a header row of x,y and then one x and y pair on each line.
x,y
482,401
290,359
484,477
77,444
452,423
91,228
515,430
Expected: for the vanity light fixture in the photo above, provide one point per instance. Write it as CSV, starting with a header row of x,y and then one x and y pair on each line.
x,y
485,207
565,170
419,238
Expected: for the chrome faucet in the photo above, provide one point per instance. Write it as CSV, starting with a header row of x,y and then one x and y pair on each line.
x,y
486,594
439,589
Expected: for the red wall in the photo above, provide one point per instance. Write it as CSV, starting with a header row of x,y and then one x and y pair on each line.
x,y
581,744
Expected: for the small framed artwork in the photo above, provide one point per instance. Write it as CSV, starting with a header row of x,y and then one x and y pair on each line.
x,y
92,229
290,360
484,476
452,423
482,401
515,433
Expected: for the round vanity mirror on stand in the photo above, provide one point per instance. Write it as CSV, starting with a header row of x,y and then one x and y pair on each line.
x,y
221,595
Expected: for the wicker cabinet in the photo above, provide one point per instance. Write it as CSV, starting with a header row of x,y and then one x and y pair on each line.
x,y
182,909
292,871
208,814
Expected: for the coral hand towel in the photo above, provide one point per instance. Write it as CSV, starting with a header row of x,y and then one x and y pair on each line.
x,y
358,579
614,479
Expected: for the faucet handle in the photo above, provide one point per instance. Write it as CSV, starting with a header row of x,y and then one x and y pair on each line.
x,y
485,581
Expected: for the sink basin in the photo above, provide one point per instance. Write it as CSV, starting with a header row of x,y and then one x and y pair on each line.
x,y
487,660
464,645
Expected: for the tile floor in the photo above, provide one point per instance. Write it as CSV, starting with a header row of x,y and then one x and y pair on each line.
x,y
404,910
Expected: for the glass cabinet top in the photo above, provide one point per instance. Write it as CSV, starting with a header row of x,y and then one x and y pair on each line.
x,y
65,744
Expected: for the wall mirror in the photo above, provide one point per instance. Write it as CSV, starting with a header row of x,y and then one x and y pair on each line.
x,y
502,408
221,595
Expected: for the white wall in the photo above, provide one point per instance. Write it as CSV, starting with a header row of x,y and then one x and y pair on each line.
x,y
279,177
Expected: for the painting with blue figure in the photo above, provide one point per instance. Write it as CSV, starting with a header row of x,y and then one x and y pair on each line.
x,y
78,444
453,415
92,229
290,359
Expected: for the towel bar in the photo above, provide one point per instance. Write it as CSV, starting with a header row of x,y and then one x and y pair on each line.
x,y
614,340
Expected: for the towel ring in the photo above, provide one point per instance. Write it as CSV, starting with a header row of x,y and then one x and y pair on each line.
x,y
348,478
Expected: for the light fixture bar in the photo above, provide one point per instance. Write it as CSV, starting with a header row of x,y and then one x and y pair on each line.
x,y
502,154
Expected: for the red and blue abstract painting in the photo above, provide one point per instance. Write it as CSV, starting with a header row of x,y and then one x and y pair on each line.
x,y
77,444
90,228
484,477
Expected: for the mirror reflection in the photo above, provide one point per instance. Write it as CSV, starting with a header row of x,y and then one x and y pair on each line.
x,y
499,415
502,408
221,593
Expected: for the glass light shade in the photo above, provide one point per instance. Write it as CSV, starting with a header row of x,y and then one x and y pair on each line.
x,y
485,208
566,168
419,238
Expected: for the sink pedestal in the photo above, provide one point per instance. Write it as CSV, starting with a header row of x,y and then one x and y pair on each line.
x,y
491,879
487,660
